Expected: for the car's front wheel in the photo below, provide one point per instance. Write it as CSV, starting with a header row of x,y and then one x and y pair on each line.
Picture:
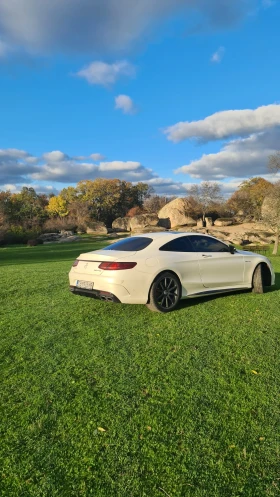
x,y
165,293
258,283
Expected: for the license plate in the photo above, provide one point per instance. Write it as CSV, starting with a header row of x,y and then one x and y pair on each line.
x,y
86,285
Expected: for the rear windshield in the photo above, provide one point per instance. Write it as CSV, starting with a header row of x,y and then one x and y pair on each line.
x,y
133,244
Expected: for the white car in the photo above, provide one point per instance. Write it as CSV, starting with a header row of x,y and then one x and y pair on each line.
x,y
159,269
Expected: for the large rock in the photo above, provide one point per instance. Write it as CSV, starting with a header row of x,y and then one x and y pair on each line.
x,y
49,237
176,213
121,224
143,221
96,227
223,221
209,222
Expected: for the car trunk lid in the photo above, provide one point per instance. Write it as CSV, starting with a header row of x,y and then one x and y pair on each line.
x,y
89,263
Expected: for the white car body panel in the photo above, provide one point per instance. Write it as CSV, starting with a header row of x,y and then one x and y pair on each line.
x,y
198,272
229,267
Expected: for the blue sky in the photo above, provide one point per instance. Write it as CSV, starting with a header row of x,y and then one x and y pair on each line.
x,y
76,80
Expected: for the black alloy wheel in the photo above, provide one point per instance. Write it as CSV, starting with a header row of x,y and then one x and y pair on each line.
x,y
165,293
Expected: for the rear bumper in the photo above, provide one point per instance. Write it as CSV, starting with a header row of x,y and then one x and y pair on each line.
x,y
95,294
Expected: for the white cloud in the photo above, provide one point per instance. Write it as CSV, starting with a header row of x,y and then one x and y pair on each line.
x,y
101,73
42,26
119,166
97,157
55,156
57,168
226,124
125,104
218,55
11,188
243,157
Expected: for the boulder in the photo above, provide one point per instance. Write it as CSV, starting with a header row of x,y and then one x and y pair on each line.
x,y
209,222
200,223
176,213
66,233
49,237
121,224
96,227
223,221
143,221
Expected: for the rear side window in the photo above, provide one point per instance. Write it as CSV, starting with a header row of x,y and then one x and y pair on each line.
x,y
202,243
133,244
178,245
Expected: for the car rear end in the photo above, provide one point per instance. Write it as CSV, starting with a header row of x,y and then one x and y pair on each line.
x,y
112,274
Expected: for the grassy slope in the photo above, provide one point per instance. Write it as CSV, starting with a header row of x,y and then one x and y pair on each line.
x,y
183,412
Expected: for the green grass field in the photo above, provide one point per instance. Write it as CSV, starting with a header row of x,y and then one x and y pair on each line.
x,y
108,400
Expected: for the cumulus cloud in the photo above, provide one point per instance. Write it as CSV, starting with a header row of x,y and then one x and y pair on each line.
x,y
125,104
101,73
19,167
91,25
51,171
55,156
15,165
96,157
218,55
226,124
243,157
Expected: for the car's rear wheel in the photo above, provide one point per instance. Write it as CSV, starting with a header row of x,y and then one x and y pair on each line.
x,y
165,293
258,283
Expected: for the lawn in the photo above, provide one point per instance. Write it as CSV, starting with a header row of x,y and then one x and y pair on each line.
x,y
108,400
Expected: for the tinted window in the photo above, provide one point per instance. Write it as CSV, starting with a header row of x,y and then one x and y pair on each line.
x,y
132,244
178,245
205,244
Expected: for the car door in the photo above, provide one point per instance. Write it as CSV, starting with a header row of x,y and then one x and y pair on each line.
x,y
178,255
218,267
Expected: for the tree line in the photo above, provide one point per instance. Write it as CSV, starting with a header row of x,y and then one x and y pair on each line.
x,y
103,200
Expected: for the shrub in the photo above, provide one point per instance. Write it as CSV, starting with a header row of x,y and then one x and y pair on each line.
x,y
32,243
17,234
57,225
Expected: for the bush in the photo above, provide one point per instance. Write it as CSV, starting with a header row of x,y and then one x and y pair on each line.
x,y
34,242
17,234
55,225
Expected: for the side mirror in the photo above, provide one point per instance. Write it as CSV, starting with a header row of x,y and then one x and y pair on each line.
x,y
232,249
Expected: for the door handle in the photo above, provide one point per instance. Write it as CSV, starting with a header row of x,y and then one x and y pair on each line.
x,y
204,255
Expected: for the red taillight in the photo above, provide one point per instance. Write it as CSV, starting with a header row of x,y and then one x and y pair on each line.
x,y
115,266
75,263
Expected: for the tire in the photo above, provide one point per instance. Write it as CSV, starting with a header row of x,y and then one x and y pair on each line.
x,y
165,293
258,286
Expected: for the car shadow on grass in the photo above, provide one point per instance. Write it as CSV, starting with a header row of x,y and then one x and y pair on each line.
x,y
199,300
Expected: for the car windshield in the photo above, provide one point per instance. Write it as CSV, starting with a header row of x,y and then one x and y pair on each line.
x,y
131,244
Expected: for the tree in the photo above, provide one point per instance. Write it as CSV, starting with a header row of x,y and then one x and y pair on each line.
x,y
28,208
80,213
57,207
271,212
154,203
274,162
249,197
5,207
206,194
111,198
69,194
